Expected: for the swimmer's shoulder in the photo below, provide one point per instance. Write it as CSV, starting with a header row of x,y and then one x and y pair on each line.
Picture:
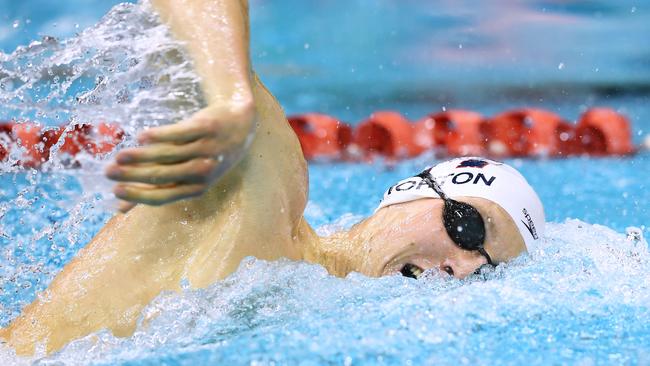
x,y
276,170
257,208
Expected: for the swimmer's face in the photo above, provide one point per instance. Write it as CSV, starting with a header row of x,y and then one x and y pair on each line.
x,y
410,237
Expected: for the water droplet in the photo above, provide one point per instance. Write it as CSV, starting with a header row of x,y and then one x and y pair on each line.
x,y
564,136
306,46
16,24
560,66
185,284
529,121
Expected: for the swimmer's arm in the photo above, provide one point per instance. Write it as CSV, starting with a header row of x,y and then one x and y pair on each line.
x,y
183,160
215,33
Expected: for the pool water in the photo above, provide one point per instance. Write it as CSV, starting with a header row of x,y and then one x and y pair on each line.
x,y
582,298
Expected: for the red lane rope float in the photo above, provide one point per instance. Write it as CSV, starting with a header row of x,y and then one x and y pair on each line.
x,y
75,138
457,130
321,136
603,131
94,139
105,138
529,132
6,138
36,143
388,134
28,136
515,133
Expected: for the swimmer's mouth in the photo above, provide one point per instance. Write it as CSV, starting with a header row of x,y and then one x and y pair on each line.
x,y
411,270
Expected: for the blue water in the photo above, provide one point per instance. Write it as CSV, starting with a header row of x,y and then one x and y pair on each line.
x,y
581,299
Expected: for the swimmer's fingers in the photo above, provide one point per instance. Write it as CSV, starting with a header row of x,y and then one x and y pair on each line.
x,y
166,153
192,171
182,160
181,132
125,206
156,195
230,124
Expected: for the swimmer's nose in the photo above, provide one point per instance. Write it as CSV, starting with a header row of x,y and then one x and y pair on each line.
x,y
462,267
448,266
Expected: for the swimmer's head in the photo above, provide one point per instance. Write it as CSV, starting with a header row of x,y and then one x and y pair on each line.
x,y
416,228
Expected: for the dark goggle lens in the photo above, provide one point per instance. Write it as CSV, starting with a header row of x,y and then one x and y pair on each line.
x,y
464,225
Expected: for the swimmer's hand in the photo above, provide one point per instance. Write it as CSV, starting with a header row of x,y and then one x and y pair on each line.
x,y
183,160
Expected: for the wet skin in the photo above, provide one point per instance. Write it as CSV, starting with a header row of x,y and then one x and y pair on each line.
x,y
207,217
413,233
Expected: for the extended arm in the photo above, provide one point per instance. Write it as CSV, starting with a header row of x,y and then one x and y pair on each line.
x,y
255,209
216,35
150,249
183,160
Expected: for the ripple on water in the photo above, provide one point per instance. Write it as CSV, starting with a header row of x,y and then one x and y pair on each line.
x,y
581,298
127,70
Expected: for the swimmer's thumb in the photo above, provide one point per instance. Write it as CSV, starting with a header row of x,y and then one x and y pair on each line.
x,y
124,206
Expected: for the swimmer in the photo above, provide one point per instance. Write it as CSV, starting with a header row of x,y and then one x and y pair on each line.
x,y
231,182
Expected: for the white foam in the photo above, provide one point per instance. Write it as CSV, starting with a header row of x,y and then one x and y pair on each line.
x,y
126,70
582,268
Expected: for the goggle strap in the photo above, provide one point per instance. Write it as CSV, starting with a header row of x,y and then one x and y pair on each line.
x,y
486,255
426,176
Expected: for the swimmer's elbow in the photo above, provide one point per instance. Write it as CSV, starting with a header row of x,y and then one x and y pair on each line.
x,y
22,341
4,336
21,349
23,346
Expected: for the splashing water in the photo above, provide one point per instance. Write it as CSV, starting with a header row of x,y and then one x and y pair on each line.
x,y
126,70
565,303
582,298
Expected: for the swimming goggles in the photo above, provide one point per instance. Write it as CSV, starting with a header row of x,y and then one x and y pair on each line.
x,y
462,221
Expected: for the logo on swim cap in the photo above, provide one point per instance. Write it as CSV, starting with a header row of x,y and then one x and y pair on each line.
x,y
472,163
530,225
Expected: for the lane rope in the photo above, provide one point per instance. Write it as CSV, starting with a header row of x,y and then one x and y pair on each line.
x,y
524,132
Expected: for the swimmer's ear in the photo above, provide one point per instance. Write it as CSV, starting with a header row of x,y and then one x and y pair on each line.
x,y
125,206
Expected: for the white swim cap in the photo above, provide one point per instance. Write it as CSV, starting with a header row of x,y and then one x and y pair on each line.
x,y
484,178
